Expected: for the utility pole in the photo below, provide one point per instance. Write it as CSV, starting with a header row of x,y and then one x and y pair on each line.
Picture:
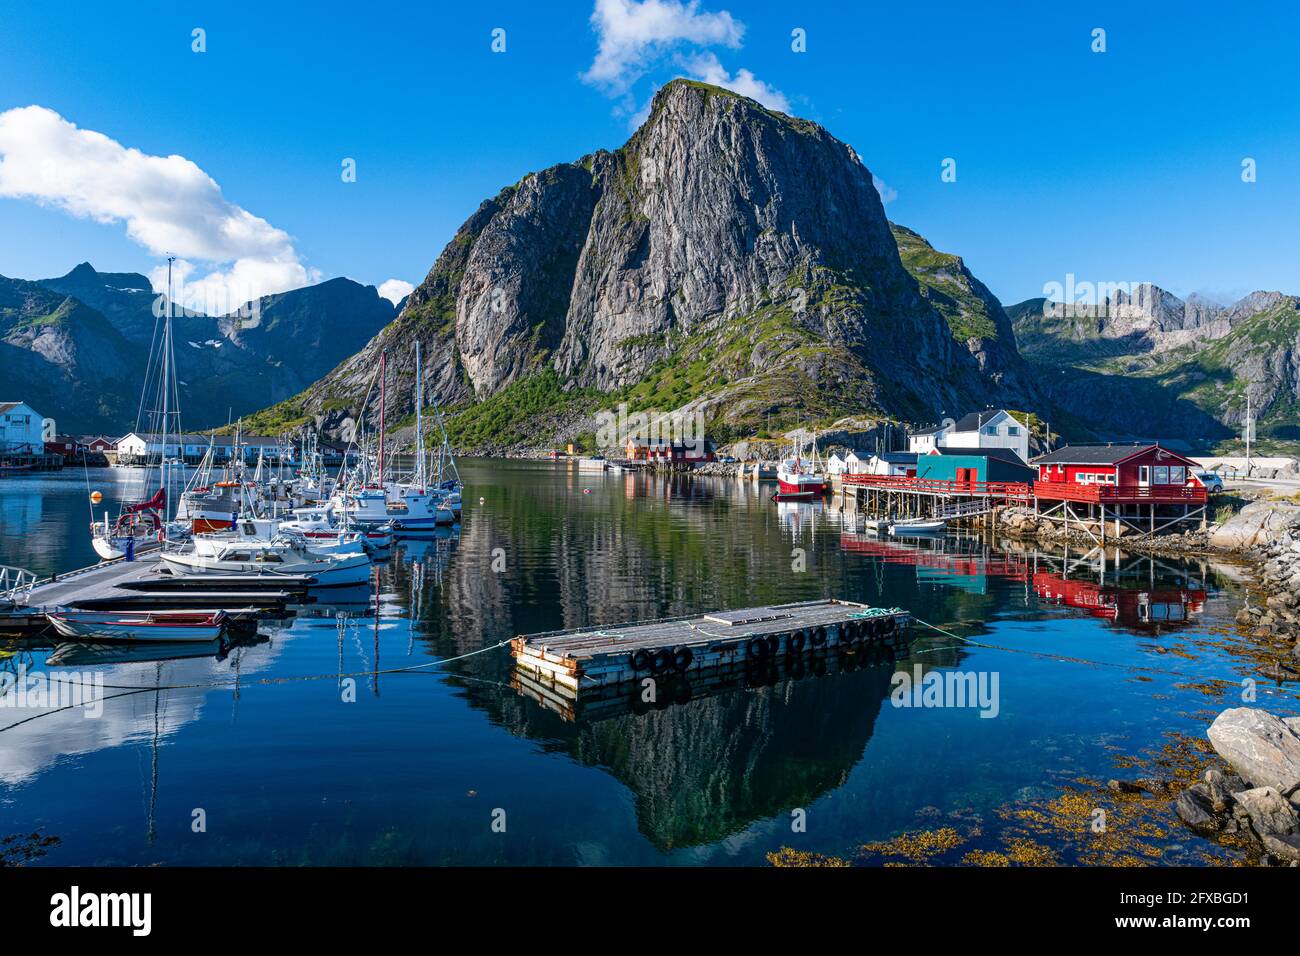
x,y
1250,428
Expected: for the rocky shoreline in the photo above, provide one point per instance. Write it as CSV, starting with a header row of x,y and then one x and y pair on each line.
x,y
1259,797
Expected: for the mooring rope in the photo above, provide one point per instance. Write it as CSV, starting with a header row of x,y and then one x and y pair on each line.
x,y
129,689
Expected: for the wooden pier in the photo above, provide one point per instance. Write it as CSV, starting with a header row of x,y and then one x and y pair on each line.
x,y
585,659
141,585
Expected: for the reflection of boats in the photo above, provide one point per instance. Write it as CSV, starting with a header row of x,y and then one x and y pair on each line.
x,y
160,626
76,653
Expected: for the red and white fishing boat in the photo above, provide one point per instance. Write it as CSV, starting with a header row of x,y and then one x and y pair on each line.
x,y
161,626
800,478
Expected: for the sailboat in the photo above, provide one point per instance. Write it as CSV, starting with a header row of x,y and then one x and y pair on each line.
x,y
418,506
142,524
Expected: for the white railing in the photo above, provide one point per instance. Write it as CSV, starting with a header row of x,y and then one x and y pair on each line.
x,y
15,584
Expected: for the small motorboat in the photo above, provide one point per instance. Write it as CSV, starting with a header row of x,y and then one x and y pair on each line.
x,y
916,527
156,626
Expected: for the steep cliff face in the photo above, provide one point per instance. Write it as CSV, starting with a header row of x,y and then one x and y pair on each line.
x,y
727,259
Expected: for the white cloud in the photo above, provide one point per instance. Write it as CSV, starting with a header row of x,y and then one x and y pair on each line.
x,y
706,68
395,290
887,192
169,206
633,33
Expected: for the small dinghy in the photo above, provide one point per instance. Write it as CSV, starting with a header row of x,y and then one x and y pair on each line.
x,y
153,626
916,527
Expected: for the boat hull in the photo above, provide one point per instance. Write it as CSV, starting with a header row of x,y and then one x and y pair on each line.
x,y
342,571
83,626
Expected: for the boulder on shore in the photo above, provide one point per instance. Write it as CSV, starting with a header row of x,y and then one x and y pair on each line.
x,y
1257,524
1261,747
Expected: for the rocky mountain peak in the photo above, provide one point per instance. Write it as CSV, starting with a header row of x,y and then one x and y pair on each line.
x,y
727,259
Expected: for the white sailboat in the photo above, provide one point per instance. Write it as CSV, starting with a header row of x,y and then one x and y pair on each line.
x,y
143,524
419,507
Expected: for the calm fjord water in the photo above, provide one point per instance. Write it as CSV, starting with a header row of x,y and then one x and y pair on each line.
x,y
285,770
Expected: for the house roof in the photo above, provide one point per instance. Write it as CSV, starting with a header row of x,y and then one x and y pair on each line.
x,y
932,430
999,454
899,457
5,406
221,441
1101,454
974,421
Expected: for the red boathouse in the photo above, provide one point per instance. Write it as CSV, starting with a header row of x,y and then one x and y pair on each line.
x,y
1142,486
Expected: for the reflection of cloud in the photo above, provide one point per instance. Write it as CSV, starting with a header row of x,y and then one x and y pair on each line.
x,y
35,746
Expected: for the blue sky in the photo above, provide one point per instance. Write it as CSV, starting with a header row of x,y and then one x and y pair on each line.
x,y
1114,167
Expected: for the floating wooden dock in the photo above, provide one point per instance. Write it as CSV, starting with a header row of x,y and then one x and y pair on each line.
x,y
576,661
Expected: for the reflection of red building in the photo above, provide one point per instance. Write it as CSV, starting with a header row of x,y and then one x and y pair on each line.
x,y
1130,607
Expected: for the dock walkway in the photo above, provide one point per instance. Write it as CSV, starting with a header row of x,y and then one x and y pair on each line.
x,y
587,658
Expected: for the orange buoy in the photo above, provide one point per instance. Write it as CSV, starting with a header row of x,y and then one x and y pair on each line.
x,y
96,497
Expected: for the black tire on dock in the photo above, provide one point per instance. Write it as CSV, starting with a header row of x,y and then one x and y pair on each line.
x,y
889,625
756,649
663,660
641,660
819,637
848,637
682,658
794,643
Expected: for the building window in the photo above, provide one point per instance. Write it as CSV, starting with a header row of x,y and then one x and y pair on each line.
x,y
1177,474
1144,474
1161,476
1013,430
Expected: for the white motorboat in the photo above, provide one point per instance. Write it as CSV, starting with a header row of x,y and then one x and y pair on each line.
x,y
158,626
285,553
324,533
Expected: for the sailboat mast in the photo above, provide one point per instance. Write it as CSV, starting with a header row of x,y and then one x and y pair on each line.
x,y
166,390
421,480
383,377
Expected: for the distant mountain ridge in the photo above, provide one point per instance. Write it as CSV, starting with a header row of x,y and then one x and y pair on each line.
x,y
76,347
1148,362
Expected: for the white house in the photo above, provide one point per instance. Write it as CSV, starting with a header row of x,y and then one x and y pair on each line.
x,y
901,463
927,440
835,465
855,465
22,429
991,428
135,445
